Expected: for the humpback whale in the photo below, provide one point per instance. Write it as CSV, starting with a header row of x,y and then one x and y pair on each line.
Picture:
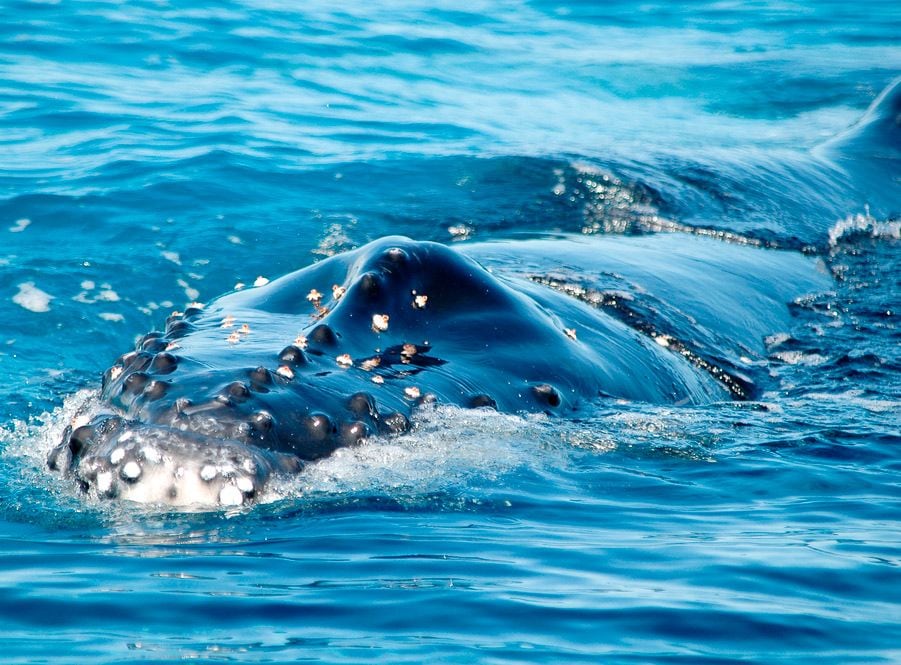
x,y
267,379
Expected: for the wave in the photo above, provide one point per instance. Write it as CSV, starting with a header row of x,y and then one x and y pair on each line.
x,y
863,225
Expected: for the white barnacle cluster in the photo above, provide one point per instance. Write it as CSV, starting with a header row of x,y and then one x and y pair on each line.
x,y
315,297
156,467
235,336
371,363
420,300
380,322
235,488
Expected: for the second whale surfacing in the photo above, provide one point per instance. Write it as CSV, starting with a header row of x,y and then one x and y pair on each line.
x,y
266,379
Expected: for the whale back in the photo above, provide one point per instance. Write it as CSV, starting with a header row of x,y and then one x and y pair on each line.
x,y
877,134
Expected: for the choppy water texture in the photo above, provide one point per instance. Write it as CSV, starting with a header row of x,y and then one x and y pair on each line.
x,y
155,154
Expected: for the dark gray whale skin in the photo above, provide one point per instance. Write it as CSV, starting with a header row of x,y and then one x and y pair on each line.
x,y
265,379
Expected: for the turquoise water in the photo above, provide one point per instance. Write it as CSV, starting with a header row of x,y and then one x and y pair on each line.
x,y
155,154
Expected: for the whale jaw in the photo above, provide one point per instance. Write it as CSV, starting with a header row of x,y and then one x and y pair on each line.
x,y
114,458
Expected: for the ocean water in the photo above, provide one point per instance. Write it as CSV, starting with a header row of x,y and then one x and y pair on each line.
x,y
154,153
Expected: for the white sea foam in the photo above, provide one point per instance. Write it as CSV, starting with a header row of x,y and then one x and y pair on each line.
x,y
32,442
856,398
800,358
190,292
32,298
864,224
448,445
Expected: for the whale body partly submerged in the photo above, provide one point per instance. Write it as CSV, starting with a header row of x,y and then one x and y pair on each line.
x,y
266,379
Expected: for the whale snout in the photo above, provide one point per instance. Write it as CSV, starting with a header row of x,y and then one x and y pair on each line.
x,y
116,458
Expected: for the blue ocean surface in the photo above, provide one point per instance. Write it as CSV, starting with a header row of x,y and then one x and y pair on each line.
x,y
154,153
